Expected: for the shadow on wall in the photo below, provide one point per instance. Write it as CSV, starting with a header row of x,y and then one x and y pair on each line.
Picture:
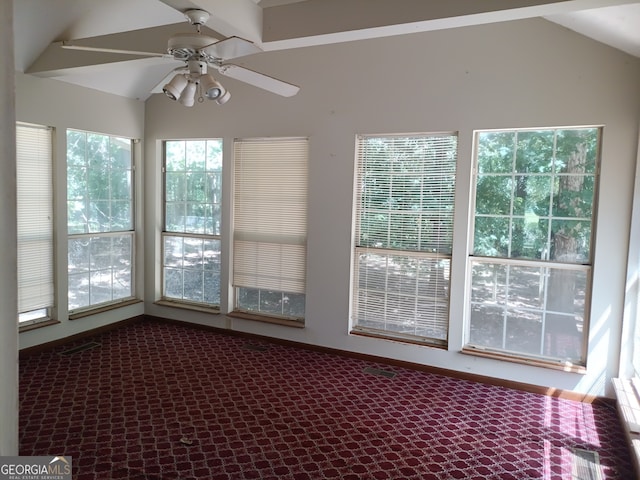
x,y
599,348
630,327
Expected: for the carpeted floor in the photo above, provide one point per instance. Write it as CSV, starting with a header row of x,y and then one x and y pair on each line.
x,y
160,401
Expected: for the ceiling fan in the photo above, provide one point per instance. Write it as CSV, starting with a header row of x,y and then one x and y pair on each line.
x,y
199,51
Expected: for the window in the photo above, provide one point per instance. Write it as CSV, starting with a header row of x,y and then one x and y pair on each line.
x,y
403,235
270,226
192,221
34,172
99,219
532,248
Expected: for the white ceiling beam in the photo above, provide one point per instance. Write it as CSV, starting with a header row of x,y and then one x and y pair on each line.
x,y
316,22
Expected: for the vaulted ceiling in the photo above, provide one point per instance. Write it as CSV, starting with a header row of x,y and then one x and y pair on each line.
x,y
146,25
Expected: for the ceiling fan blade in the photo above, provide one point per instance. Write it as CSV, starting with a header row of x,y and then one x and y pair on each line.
x,y
232,47
158,87
259,80
70,46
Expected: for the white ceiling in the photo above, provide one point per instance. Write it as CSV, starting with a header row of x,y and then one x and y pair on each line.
x,y
271,24
617,26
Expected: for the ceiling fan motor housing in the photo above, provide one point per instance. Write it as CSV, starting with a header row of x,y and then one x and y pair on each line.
x,y
184,46
197,68
197,17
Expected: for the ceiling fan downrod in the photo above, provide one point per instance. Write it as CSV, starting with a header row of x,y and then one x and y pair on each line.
x,y
197,17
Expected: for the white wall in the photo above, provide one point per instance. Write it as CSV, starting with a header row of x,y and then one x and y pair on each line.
x,y
8,261
519,74
61,105
631,320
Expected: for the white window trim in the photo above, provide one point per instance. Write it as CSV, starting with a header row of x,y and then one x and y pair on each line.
x,y
182,302
267,258
588,266
44,266
135,237
357,250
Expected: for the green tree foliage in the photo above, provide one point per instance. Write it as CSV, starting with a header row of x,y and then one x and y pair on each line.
x,y
535,193
99,200
193,190
99,176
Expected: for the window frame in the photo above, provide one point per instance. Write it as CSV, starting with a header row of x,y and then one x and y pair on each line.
x,y
43,314
164,234
586,265
131,233
253,283
417,255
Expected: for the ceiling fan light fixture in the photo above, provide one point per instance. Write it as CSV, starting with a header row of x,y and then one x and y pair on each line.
x,y
224,98
176,86
211,88
188,96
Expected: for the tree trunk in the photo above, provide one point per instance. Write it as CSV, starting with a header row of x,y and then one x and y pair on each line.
x,y
561,330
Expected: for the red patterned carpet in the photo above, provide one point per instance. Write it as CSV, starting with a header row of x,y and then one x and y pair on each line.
x,y
161,401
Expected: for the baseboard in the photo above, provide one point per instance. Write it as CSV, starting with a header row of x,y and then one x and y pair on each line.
x,y
43,347
526,387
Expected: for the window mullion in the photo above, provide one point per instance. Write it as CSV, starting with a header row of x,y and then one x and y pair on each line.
x,y
385,310
505,314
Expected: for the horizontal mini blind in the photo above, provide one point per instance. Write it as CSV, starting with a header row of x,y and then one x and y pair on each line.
x,y
270,214
407,192
35,217
404,234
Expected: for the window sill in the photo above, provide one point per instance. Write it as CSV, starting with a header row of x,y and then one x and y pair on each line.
x,y
188,306
266,319
104,308
628,402
36,325
534,362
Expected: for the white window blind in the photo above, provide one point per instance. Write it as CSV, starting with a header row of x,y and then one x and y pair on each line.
x,y
406,192
35,217
404,232
270,214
